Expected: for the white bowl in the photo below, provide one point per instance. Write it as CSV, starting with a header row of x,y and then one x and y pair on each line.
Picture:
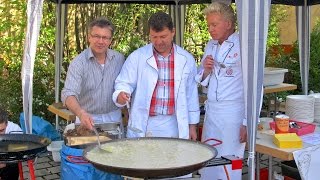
x,y
273,76
55,148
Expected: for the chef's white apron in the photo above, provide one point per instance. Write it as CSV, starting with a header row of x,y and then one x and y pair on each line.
x,y
162,126
223,120
158,126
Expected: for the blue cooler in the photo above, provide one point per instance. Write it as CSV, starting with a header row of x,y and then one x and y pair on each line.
x,y
74,166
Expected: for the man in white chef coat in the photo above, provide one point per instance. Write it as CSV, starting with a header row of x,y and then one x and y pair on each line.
x,y
221,73
158,82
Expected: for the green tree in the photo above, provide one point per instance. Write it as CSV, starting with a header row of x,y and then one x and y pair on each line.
x,y
12,29
12,25
196,33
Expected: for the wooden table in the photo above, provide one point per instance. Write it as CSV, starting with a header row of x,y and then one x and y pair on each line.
x,y
265,145
64,113
279,88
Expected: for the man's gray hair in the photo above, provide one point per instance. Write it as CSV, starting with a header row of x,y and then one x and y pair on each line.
x,y
102,22
221,8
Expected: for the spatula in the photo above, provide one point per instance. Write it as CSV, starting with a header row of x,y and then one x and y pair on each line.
x,y
134,129
99,144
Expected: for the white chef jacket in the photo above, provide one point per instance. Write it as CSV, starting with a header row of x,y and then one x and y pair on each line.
x,y
139,76
225,110
223,83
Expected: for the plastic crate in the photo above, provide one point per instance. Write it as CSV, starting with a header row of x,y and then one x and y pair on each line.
x,y
289,169
305,128
273,76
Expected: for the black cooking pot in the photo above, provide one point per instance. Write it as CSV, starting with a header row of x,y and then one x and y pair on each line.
x,y
21,147
104,163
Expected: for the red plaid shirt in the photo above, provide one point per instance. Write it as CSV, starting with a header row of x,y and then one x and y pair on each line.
x,y
162,102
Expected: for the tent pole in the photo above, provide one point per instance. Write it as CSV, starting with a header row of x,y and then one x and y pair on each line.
x,y
60,14
177,21
253,17
303,29
306,51
34,17
182,13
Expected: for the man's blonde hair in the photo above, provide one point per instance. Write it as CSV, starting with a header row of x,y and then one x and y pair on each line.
x,y
221,8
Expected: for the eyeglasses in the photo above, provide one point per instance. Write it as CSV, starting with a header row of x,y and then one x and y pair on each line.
x,y
97,37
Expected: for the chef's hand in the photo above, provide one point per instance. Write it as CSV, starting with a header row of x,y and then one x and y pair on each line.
x,y
208,66
243,134
123,97
193,132
86,119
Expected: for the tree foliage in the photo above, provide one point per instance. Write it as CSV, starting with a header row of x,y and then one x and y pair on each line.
x,y
196,31
277,15
291,61
12,26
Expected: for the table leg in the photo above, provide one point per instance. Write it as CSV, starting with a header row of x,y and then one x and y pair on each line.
x,y
258,166
270,175
20,171
31,169
275,105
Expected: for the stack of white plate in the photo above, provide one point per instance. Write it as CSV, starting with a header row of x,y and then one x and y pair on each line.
x,y
316,107
300,108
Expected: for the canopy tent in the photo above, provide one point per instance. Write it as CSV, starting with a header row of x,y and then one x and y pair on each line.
x,y
253,20
180,2
34,15
253,16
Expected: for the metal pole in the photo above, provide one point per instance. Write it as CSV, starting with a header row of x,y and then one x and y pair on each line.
x,y
306,45
177,23
258,166
60,14
270,161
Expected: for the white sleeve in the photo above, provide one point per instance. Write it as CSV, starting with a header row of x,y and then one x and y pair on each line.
x,y
127,78
199,80
115,96
244,122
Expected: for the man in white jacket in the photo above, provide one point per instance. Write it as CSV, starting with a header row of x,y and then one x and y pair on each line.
x,y
158,81
221,73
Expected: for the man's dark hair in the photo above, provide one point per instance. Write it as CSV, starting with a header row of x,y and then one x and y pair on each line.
x,y
102,23
3,116
159,21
